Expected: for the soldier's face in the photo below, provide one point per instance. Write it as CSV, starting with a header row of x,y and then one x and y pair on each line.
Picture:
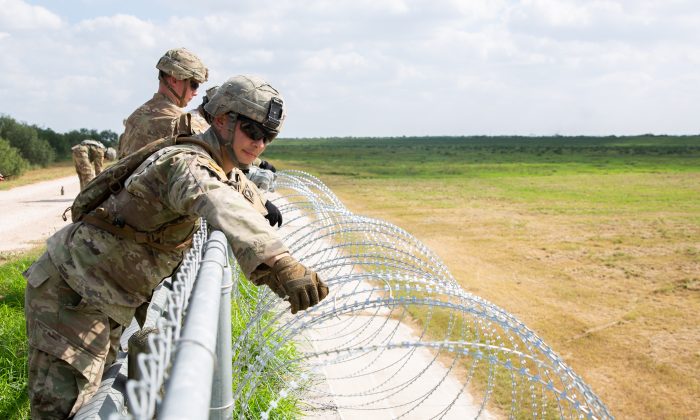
x,y
245,148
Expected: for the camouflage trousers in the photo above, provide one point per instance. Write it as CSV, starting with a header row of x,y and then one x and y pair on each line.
x,y
83,166
70,342
97,158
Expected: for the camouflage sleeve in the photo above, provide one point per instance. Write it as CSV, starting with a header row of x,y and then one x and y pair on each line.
x,y
199,124
193,187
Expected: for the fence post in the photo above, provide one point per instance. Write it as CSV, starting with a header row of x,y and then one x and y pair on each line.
x,y
222,386
188,391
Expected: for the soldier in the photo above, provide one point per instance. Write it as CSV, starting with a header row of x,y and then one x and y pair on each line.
x,y
180,73
96,271
88,157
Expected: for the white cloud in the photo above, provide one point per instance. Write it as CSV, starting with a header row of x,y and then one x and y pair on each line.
x,y
558,12
390,67
329,60
18,15
480,10
122,30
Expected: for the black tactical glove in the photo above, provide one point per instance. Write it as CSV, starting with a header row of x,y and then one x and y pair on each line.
x,y
273,214
267,165
288,277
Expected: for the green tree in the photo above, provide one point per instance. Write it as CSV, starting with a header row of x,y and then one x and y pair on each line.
x,y
11,161
25,139
58,141
109,138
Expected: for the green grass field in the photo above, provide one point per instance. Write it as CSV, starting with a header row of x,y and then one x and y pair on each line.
x,y
14,403
592,242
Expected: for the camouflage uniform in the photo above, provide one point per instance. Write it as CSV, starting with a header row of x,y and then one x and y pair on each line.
x,y
89,282
88,157
153,120
199,124
57,318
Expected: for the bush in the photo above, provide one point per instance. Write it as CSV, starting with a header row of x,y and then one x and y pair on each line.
x,y
25,139
11,161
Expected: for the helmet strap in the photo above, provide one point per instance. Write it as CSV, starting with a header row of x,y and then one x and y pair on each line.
x,y
226,145
180,98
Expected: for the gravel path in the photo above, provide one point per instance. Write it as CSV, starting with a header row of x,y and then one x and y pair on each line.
x,y
32,213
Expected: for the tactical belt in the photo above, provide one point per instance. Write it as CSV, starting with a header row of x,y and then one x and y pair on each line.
x,y
147,238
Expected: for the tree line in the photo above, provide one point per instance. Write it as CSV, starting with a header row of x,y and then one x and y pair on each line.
x,y
23,146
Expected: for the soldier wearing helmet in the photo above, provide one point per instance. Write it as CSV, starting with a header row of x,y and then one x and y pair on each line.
x,y
180,73
95,272
261,172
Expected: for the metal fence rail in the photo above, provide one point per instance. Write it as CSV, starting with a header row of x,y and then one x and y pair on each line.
x,y
396,337
167,315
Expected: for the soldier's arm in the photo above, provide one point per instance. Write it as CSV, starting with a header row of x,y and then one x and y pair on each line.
x,y
195,188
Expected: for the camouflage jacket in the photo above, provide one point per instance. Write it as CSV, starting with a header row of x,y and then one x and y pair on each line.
x,y
153,120
176,183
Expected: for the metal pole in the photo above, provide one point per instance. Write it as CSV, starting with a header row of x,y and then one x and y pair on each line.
x,y
222,385
188,391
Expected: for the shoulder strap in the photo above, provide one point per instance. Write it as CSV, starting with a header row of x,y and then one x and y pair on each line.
x,y
204,145
111,180
184,125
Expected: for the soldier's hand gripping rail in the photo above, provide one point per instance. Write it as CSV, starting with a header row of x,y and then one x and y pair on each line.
x,y
289,278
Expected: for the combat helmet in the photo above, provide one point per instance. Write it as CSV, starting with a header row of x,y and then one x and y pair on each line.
x,y
182,64
251,97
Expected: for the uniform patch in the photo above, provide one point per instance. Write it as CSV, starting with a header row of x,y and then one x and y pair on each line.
x,y
248,193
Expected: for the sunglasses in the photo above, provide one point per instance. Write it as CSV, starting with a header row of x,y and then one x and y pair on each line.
x,y
194,84
255,130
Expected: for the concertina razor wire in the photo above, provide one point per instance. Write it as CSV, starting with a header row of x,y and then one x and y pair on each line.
x,y
397,337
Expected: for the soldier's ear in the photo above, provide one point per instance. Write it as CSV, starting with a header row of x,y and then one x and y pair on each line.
x,y
171,80
219,121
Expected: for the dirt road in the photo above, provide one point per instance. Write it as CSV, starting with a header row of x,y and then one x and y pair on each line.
x,y
31,213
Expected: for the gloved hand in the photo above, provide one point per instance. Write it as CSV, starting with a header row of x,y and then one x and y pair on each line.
x,y
267,165
273,214
288,277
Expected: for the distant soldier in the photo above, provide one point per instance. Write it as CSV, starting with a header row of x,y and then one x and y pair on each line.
x,y
2,178
88,157
179,74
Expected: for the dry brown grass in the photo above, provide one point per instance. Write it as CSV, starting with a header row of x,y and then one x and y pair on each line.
x,y
616,294
56,170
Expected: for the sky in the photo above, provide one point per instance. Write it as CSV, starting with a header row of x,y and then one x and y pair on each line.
x,y
369,67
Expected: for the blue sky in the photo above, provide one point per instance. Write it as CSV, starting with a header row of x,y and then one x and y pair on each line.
x,y
369,67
